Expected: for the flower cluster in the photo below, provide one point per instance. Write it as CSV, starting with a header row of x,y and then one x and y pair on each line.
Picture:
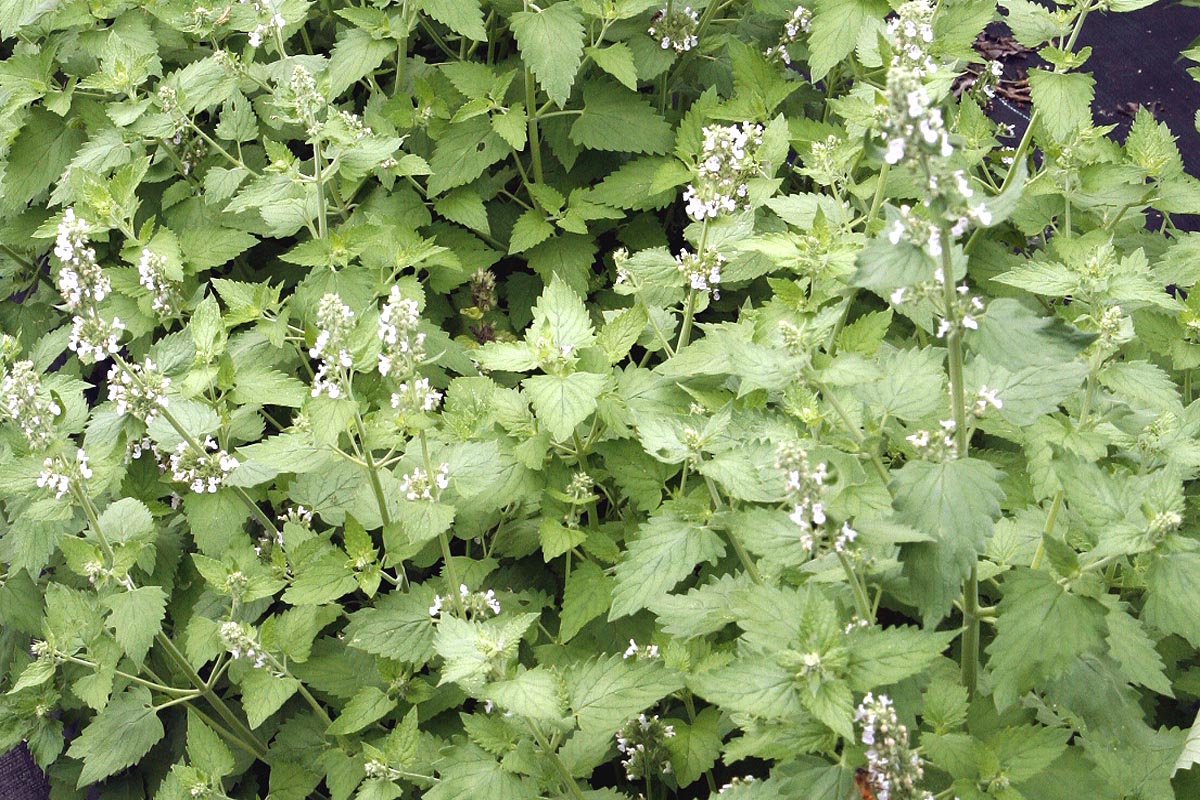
x,y
152,276
967,319
799,22
81,281
957,199
805,486
915,126
335,324
893,769
917,231
728,159
269,20
911,32
675,29
304,99
82,284
57,473
474,604
139,390
643,743
297,514
635,651
936,445
702,270
416,394
94,338
419,485
734,783
403,345
202,471
986,398
23,401
241,642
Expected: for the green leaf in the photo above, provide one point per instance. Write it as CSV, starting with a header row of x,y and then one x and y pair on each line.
x,y
836,25
125,521
1134,650
561,311
263,694
531,228
1041,631
355,56
34,674
465,207
1064,100
321,580
881,657
587,595
397,627
1172,594
557,538
535,694
1025,751
206,750
621,332
464,17
366,707
463,152
551,42
38,155
117,737
755,685
665,551
512,125
883,266
1189,756
695,746
1027,393
136,618
642,183
608,109
605,693
955,502
1015,337
616,60
1031,23
468,771
561,402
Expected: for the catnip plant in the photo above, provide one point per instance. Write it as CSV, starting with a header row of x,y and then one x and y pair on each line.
x,y
594,399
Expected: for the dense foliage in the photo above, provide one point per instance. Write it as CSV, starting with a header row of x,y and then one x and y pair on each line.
x,y
451,399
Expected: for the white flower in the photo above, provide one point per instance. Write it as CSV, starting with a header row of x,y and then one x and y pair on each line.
x,y
139,391
203,471
403,346
23,401
417,485
676,29
93,338
152,276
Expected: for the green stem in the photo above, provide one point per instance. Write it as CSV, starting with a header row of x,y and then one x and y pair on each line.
x,y
535,140
970,605
318,177
564,774
855,433
877,200
743,556
861,603
1055,505
689,312
372,470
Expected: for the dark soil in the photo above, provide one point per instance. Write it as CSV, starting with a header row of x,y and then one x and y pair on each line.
x,y
1136,62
